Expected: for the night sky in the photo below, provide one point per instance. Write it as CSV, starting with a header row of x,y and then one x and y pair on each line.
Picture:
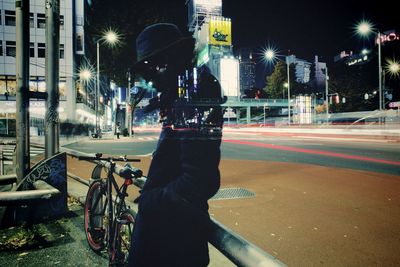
x,y
307,27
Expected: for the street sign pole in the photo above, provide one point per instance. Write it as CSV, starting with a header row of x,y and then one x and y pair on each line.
x,y
52,126
22,95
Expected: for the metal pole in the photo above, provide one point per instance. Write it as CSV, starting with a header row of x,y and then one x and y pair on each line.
x,y
326,94
52,127
128,105
264,115
7,123
380,71
96,103
288,87
22,161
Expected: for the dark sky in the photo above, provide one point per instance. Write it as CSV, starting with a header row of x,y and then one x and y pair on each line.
x,y
307,27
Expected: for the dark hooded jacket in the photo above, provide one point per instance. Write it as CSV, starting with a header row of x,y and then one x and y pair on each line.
x,y
172,226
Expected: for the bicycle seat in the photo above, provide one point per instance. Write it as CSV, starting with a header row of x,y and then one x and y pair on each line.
x,y
128,172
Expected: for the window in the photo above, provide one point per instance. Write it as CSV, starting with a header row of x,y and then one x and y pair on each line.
x,y
62,86
41,84
10,49
41,21
10,17
61,51
11,85
33,85
1,47
31,49
31,20
41,50
3,85
61,22
79,21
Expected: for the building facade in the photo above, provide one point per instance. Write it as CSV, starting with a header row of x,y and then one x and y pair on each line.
x,y
72,51
320,76
302,68
213,34
247,71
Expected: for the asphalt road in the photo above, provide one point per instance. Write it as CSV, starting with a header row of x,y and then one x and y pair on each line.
x,y
368,155
318,201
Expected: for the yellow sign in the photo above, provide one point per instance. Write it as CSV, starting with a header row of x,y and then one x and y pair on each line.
x,y
220,31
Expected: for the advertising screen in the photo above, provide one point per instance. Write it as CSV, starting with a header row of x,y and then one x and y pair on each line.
x,y
220,31
230,77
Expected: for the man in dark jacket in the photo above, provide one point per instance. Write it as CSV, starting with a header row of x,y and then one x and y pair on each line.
x,y
172,225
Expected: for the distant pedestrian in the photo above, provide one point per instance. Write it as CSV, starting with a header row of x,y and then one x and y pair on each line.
x,y
118,130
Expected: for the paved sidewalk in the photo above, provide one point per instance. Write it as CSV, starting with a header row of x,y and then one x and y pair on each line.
x,y
62,242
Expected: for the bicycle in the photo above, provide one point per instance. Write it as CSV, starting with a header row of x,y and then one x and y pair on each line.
x,y
107,226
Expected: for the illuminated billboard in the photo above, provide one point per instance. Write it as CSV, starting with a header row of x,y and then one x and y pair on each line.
x,y
203,56
220,31
208,6
303,110
229,76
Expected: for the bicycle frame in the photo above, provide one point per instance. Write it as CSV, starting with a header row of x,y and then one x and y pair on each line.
x,y
119,205
99,235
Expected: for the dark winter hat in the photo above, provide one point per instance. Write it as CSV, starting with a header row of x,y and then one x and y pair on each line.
x,y
159,39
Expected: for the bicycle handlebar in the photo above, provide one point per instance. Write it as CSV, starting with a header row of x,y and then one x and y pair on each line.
x,y
109,159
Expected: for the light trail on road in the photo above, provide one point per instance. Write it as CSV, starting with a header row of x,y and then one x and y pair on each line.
x,y
312,151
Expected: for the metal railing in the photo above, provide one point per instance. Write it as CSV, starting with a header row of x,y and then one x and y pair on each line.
x,y
41,191
237,249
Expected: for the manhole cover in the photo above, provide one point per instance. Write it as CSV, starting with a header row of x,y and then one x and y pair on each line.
x,y
233,193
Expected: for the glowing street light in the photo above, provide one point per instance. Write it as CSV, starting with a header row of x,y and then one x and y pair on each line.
x,y
85,75
270,56
364,28
112,39
392,67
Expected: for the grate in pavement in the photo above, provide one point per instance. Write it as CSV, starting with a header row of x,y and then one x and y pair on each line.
x,y
233,193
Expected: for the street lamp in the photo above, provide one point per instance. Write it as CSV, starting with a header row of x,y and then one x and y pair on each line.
x,y
270,56
85,75
364,28
110,38
392,67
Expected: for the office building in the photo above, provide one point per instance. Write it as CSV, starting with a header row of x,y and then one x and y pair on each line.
x,y
76,104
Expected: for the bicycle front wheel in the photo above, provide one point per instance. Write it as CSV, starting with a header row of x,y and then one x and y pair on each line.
x,y
122,240
95,220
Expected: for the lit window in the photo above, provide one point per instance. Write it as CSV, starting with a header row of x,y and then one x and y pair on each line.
x,y
10,48
41,21
41,50
62,86
11,85
3,85
10,17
